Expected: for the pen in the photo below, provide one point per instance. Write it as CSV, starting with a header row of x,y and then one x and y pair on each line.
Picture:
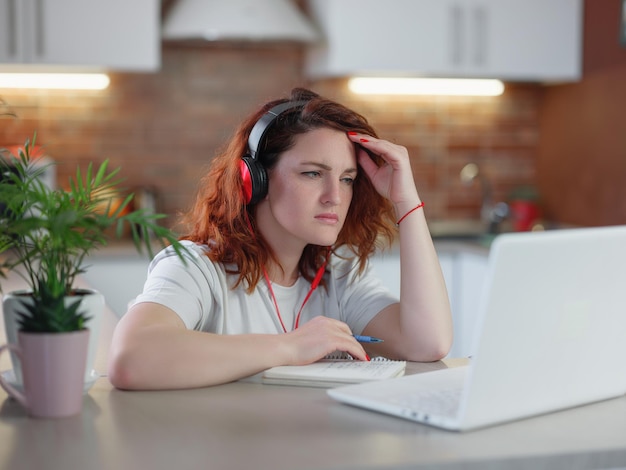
x,y
367,339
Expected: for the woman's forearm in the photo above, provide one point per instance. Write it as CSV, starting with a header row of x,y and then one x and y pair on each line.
x,y
165,355
424,304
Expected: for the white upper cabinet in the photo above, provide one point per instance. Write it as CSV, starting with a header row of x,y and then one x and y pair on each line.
x,y
519,40
90,34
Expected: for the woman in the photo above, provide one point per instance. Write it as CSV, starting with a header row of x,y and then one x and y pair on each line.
x,y
276,271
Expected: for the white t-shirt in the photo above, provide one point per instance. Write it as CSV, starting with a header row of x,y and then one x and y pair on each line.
x,y
200,293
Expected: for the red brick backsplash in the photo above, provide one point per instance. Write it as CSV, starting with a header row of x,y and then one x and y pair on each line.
x,y
163,128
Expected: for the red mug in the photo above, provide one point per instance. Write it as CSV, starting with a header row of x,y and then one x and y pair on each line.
x,y
524,214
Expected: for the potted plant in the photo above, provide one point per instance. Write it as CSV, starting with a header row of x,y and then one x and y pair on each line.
x,y
45,236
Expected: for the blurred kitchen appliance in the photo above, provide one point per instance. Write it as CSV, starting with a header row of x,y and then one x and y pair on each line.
x,y
146,198
39,160
492,213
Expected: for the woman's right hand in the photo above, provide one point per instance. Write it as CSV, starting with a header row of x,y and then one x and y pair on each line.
x,y
319,337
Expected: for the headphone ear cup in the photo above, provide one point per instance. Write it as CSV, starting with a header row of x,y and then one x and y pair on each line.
x,y
254,179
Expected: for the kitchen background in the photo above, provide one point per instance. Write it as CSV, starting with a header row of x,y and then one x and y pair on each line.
x,y
163,127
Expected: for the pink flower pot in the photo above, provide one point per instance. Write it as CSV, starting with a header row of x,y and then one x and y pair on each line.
x,y
53,367
92,303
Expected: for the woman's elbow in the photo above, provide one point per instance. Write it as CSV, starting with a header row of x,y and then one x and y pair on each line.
x,y
439,351
439,345
121,372
433,351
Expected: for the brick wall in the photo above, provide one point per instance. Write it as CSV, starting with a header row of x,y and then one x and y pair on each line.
x,y
163,128
443,134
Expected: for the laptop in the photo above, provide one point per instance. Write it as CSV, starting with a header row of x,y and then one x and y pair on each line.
x,y
551,335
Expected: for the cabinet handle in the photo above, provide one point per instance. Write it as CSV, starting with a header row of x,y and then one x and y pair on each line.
x,y
39,28
12,27
457,33
480,36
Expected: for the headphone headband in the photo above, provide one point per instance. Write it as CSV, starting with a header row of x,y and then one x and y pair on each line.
x,y
263,125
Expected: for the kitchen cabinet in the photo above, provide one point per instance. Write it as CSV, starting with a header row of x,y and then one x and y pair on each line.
x,y
90,34
118,273
529,40
465,272
470,273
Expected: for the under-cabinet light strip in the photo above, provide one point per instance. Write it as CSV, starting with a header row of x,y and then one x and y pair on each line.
x,y
55,81
426,86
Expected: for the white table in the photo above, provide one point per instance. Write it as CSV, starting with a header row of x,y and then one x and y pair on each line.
x,y
243,426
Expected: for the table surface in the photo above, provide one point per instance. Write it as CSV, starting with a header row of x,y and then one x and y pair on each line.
x,y
246,425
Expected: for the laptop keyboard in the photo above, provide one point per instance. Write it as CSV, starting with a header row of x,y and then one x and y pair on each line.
x,y
442,402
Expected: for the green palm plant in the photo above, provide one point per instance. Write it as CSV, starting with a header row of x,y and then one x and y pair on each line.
x,y
49,232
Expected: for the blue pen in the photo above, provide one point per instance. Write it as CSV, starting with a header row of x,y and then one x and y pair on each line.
x,y
367,339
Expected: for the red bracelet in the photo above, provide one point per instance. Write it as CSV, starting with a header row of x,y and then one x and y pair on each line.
x,y
420,205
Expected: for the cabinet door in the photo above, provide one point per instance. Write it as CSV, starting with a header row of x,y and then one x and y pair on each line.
x,y
373,37
533,39
11,45
119,278
471,275
88,33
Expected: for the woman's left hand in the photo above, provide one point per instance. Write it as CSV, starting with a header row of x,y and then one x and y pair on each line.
x,y
394,179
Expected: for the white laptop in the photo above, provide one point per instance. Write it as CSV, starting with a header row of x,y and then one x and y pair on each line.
x,y
551,335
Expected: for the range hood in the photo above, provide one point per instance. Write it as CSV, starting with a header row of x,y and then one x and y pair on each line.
x,y
237,20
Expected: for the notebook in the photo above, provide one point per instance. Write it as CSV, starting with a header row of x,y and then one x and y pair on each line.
x,y
334,372
551,335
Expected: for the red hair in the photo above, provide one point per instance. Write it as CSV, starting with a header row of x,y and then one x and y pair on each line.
x,y
221,219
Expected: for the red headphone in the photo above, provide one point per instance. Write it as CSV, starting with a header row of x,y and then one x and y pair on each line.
x,y
253,173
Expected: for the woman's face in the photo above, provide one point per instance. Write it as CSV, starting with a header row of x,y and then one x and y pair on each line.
x,y
310,190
